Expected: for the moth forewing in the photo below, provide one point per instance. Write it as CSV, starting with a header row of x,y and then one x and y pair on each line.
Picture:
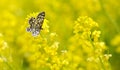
x,y
40,19
41,15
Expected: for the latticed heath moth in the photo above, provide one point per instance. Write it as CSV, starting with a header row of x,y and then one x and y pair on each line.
x,y
36,24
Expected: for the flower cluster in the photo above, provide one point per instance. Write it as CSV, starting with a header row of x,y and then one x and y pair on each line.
x,y
42,52
86,51
64,45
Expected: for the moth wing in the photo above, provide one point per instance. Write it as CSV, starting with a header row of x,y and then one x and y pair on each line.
x,y
40,19
32,21
41,15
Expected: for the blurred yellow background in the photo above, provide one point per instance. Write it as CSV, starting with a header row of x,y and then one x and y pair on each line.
x,y
60,17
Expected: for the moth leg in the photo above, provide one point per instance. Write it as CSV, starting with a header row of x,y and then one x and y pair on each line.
x,y
28,29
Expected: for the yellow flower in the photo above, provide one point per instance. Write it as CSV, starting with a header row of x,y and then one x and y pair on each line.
x,y
85,47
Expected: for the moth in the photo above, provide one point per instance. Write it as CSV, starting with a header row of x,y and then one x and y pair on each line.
x,y
36,24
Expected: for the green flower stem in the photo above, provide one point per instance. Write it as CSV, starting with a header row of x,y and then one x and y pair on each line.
x,y
7,64
102,64
109,17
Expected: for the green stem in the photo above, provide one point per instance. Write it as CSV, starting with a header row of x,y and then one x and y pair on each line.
x,y
109,17
10,67
102,64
